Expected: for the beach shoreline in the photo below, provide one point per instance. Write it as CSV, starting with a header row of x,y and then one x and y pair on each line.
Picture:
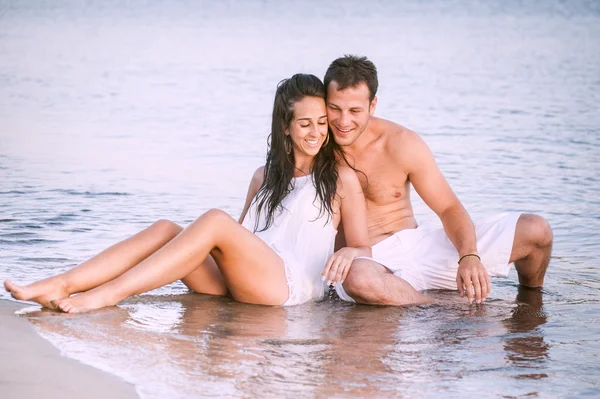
x,y
31,366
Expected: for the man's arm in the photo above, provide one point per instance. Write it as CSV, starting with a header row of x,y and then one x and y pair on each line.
x,y
435,191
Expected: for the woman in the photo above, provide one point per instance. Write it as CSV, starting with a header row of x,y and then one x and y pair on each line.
x,y
280,255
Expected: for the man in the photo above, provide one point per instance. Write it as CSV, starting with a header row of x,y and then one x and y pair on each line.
x,y
388,158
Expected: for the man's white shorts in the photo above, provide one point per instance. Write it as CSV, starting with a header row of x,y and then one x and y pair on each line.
x,y
426,258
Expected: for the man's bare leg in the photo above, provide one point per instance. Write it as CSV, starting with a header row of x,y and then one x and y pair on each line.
x,y
532,249
107,265
253,272
370,283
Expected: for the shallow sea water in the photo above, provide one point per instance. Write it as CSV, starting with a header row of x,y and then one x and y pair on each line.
x,y
116,114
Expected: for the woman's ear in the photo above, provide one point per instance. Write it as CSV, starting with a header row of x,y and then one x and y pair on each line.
x,y
285,128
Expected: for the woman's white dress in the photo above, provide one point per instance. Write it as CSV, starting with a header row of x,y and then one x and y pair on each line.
x,y
302,239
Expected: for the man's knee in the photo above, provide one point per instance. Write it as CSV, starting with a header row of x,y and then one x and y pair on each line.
x,y
535,230
363,277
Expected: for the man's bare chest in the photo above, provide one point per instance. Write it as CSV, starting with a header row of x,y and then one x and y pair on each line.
x,y
382,182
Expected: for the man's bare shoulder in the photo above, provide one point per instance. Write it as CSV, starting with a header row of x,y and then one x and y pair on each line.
x,y
396,138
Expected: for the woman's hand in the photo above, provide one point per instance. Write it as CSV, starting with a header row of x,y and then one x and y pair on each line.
x,y
338,265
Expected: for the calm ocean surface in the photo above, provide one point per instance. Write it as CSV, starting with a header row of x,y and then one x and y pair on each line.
x,y
114,114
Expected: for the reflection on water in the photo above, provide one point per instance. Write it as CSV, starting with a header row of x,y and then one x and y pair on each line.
x,y
524,344
192,345
116,114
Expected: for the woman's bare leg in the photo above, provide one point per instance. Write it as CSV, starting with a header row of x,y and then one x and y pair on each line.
x,y
207,279
107,265
253,272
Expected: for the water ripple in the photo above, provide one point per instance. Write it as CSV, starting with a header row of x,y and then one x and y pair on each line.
x,y
90,156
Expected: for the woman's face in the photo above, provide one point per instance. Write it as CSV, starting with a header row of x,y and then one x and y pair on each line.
x,y
308,128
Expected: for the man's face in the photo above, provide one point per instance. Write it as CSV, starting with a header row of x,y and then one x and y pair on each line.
x,y
348,112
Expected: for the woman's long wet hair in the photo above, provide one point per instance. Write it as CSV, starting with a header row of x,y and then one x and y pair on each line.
x,y
280,165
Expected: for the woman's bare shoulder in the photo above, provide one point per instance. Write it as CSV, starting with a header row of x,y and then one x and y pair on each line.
x,y
259,176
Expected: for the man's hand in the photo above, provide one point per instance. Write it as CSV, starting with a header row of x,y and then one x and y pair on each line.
x,y
472,276
338,265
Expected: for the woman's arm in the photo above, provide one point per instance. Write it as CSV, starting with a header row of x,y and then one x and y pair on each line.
x,y
353,209
255,183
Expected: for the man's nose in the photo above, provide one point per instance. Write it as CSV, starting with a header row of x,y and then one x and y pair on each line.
x,y
344,119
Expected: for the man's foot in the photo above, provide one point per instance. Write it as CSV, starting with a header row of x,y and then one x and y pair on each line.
x,y
81,303
42,292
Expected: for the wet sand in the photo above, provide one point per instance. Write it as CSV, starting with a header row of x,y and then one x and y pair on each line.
x,y
31,367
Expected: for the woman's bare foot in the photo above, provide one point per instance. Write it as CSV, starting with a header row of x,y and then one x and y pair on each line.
x,y
42,292
81,303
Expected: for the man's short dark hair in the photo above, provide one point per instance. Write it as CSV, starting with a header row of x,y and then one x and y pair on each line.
x,y
351,71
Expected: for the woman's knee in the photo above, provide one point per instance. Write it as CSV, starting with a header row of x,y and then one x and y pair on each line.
x,y
214,222
216,216
167,227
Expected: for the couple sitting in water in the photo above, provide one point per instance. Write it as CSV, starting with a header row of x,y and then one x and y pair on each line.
x,y
330,206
